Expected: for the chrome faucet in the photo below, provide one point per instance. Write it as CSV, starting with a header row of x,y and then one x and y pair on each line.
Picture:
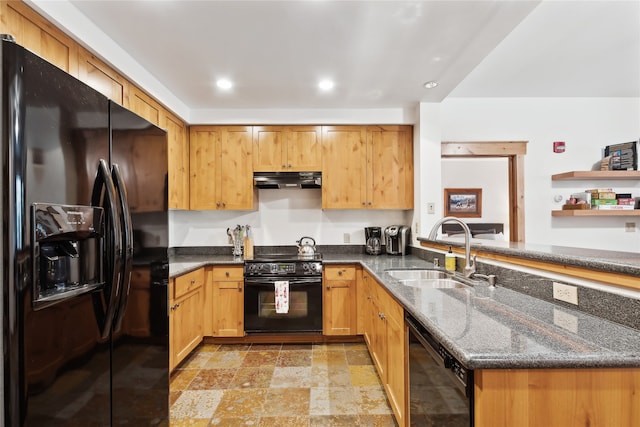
x,y
470,266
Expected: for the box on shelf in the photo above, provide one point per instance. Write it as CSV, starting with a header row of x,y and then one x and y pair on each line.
x,y
623,156
614,207
598,202
627,201
574,207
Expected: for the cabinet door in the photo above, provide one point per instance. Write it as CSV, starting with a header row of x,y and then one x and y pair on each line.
x,y
389,167
39,36
178,149
343,167
228,309
269,149
304,148
186,324
339,301
235,185
101,77
204,144
144,106
395,380
227,301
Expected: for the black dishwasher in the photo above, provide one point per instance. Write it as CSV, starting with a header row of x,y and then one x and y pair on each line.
x,y
440,387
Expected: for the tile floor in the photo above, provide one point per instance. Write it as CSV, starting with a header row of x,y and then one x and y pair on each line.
x,y
267,385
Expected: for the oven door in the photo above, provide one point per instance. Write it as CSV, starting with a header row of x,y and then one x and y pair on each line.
x,y
305,305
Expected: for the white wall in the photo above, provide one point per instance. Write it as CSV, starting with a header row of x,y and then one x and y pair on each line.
x,y
488,174
586,125
283,216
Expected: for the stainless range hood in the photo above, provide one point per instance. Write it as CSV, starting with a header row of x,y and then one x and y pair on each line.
x,y
287,179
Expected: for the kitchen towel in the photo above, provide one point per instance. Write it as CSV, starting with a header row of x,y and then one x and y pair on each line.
x,y
282,296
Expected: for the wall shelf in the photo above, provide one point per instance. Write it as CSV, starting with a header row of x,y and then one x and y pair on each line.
x,y
586,175
595,212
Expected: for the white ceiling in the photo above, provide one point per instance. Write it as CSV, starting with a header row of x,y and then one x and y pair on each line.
x,y
380,53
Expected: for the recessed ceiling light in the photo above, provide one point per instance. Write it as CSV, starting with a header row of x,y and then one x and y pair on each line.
x,y
224,84
431,84
325,84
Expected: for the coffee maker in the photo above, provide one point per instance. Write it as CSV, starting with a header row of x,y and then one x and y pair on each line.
x,y
373,240
396,239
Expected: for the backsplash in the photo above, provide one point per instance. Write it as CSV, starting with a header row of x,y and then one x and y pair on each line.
x,y
616,308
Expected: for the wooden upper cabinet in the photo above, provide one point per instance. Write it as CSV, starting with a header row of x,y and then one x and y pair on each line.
x,y
39,36
102,78
221,172
287,148
343,167
178,149
367,167
389,167
144,106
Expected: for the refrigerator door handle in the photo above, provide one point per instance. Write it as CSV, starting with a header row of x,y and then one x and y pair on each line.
x,y
105,311
127,230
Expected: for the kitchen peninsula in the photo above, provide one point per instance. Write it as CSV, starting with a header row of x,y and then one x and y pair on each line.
x,y
528,371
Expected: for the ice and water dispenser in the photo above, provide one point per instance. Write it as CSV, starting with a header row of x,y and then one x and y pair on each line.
x,y
67,250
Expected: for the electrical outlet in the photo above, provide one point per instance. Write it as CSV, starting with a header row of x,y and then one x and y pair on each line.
x,y
431,208
347,238
566,293
565,320
630,227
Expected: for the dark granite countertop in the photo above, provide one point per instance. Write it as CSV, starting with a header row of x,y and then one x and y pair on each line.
x,y
594,259
488,327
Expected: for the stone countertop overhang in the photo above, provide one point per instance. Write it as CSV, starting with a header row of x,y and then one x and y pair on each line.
x,y
485,327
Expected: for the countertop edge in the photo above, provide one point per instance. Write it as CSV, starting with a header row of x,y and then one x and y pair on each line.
x,y
180,266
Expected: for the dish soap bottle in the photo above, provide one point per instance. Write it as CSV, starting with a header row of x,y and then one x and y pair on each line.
x,y
450,261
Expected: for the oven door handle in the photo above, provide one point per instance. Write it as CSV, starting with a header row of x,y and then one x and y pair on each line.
x,y
270,281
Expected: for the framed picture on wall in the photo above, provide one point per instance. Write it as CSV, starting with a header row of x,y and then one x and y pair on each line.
x,y
463,202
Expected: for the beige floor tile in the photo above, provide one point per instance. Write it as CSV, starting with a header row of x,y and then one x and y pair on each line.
x,y
181,379
253,377
260,358
372,401
377,421
299,421
234,421
287,402
294,358
364,375
241,403
296,376
213,379
225,359
196,404
358,357
329,358
334,421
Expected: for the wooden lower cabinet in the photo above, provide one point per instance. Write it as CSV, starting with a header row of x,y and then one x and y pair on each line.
x,y
386,338
224,309
557,397
186,303
339,300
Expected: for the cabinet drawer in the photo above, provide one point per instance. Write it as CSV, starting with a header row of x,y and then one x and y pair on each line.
x,y
340,272
219,274
188,282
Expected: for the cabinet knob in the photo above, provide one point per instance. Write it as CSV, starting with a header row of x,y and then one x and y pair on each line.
x,y
226,273
193,281
340,273
218,204
284,166
364,204
328,287
289,165
369,297
370,203
239,288
224,204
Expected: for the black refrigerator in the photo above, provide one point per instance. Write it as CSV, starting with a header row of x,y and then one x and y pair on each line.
x,y
84,253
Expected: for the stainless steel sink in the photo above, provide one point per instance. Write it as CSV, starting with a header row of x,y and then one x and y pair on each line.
x,y
434,283
416,274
